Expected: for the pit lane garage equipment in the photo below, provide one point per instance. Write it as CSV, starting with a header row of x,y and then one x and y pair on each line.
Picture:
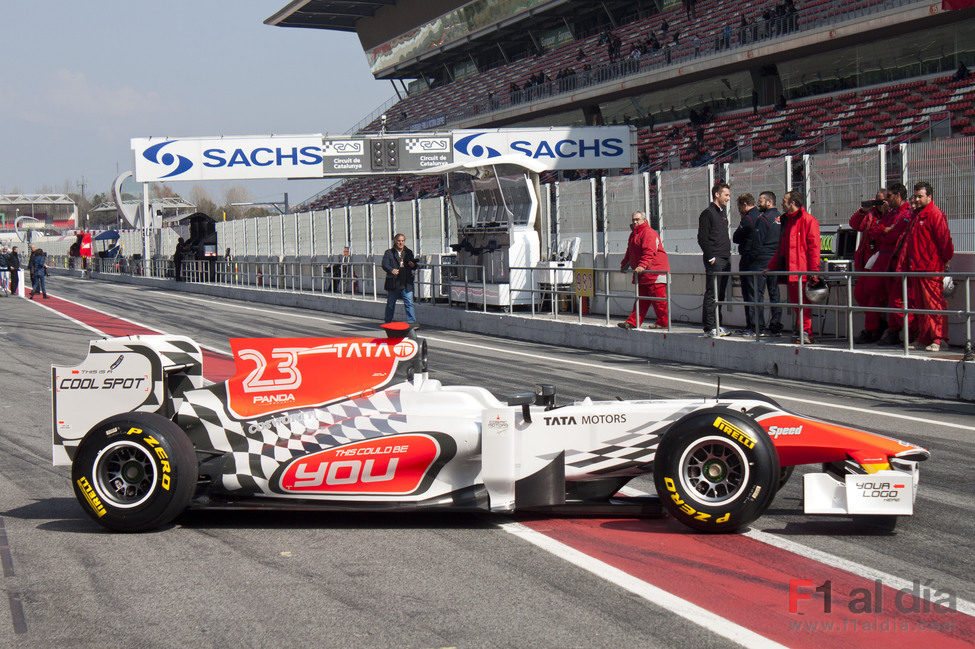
x,y
359,424
496,231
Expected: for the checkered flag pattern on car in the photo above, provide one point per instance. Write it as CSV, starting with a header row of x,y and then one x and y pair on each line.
x,y
259,446
626,454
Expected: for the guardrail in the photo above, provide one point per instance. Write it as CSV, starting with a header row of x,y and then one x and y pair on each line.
x,y
548,292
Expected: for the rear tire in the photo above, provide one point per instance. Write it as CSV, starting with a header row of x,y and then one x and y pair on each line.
x,y
134,472
716,479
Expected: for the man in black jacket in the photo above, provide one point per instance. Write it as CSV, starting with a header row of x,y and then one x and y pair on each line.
x,y
766,245
13,263
712,236
744,236
399,262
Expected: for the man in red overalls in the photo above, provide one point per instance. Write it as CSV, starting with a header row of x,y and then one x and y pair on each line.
x,y
645,255
890,234
927,248
870,291
798,251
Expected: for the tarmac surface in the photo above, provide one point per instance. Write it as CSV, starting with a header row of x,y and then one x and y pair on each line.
x,y
450,580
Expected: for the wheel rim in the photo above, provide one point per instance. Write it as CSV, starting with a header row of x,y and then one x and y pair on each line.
x,y
125,474
714,471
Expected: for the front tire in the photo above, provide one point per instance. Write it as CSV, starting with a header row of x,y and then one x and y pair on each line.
x,y
134,472
716,470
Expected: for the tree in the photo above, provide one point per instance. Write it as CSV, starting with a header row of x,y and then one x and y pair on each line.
x,y
203,202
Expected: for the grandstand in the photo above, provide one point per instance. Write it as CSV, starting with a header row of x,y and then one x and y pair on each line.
x,y
705,81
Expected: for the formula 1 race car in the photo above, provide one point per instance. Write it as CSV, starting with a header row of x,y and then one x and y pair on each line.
x,y
358,424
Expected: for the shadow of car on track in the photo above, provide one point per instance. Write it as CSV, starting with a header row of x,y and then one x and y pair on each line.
x,y
264,519
59,514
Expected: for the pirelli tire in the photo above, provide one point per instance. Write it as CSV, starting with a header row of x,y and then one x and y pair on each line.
x,y
716,470
134,472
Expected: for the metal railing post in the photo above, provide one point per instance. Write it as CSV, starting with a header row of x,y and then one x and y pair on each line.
x,y
670,316
905,326
801,320
849,310
606,276
717,307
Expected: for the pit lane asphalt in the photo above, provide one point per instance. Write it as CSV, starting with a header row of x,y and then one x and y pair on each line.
x,y
392,581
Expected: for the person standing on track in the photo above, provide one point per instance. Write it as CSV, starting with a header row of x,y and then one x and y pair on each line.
x,y
13,263
644,254
712,236
399,262
798,251
38,268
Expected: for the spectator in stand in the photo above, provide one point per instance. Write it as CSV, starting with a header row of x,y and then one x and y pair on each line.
x,y
781,104
755,102
13,264
726,33
664,27
744,236
39,272
767,232
712,236
743,31
399,263
676,37
798,251
871,291
581,55
927,248
645,254
697,45
962,73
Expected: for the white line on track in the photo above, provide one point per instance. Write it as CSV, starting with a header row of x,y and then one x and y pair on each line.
x,y
656,596
667,377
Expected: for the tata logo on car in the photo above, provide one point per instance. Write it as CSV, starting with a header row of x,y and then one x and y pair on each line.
x,y
167,159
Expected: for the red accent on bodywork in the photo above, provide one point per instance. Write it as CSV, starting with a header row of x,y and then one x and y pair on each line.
x,y
394,465
277,374
820,441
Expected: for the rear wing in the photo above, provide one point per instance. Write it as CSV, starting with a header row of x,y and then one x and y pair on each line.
x,y
130,374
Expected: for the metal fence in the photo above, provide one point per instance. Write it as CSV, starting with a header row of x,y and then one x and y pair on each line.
x,y
557,300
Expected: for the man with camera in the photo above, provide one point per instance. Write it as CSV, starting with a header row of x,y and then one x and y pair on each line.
x,y
871,290
889,233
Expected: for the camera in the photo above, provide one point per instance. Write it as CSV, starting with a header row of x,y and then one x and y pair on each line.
x,y
868,204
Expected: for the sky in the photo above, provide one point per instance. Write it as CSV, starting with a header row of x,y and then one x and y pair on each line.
x,y
80,79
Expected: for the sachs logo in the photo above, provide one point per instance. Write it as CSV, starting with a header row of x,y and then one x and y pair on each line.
x,y
167,159
477,151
